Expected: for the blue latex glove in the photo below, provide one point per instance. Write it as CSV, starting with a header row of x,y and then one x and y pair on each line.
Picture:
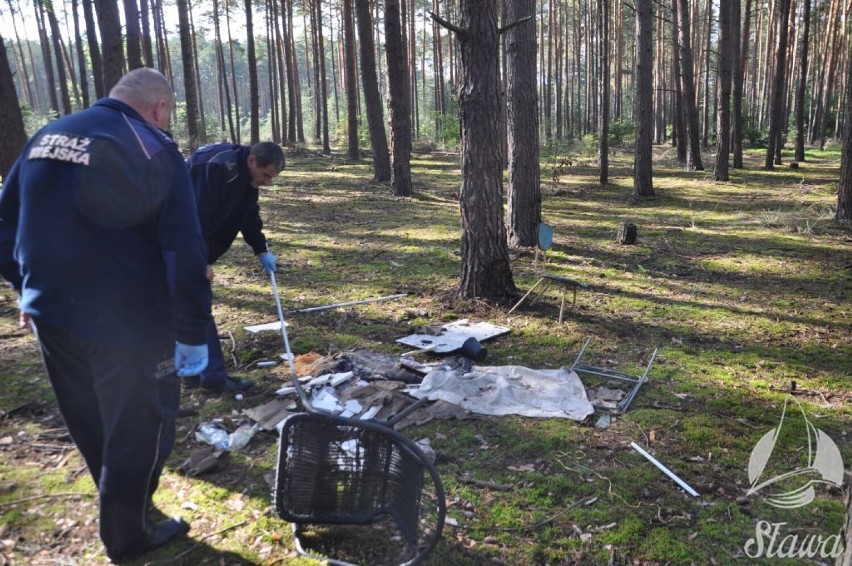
x,y
190,360
267,260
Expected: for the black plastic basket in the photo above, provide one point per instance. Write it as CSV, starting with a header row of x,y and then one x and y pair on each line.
x,y
341,471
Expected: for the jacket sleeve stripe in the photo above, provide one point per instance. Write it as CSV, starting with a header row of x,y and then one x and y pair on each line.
x,y
136,134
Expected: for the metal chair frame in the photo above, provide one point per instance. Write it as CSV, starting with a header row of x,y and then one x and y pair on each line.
x,y
544,243
549,280
581,369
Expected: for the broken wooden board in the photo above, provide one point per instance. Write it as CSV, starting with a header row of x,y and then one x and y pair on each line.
x,y
255,328
270,414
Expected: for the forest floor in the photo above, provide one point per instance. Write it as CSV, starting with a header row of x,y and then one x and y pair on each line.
x,y
743,287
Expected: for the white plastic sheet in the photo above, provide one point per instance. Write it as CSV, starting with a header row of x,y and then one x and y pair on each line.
x,y
509,390
453,336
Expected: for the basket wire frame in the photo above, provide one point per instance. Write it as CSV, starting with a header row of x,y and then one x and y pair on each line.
x,y
341,471
334,470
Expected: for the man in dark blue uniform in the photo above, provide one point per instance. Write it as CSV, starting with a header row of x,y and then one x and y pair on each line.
x,y
94,209
226,178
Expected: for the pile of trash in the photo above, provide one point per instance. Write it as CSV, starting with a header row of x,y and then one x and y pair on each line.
x,y
362,384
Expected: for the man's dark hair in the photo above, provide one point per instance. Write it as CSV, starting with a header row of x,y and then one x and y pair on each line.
x,y
268,153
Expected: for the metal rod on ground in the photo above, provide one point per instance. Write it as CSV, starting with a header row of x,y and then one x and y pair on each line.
x,y
643,379
386,298
665,470
582,351
288,353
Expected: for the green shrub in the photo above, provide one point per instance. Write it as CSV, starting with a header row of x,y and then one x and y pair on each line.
x,y
621,131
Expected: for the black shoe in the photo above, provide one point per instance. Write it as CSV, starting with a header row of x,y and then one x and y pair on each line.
x,y
157,535
231,385
186,412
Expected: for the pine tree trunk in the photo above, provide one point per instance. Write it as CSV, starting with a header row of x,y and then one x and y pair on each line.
x,y
603,91
338,80
408,37
11,120
237,120
844,191
133,36
644,111
163,59
31,99
94,49
678,103
354,153
254,93
661,90
578,92
62,78
776,108
504,110
803,82
372,98
400,116
323,82
723,112
190,88
737,47
316,89
619,55
784,115
272,72
280,57
81,56
747,47
221,81
827,87
71,66
557,61
222,76
202,118
486,271
705,127
47,58
295,131
524,197
109,25
147,44
440,106
547,53
687,79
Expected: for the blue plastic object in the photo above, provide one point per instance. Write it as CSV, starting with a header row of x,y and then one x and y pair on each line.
x,y
545,236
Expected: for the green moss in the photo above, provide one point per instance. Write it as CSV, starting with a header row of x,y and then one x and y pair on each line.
x,y
668,545
625,532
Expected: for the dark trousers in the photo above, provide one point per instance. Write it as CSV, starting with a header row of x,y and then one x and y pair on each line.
x,y
215,373
119,403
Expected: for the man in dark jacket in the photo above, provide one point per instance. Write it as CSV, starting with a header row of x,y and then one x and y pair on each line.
x,y
94,210
226,178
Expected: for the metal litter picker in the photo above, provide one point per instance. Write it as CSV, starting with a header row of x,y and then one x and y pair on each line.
x,y
287,353
346,471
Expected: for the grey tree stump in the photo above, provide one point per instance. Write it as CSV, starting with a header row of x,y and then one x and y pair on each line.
x,y
626,234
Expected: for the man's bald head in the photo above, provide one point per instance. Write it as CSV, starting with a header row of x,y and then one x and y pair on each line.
x,y
148,92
